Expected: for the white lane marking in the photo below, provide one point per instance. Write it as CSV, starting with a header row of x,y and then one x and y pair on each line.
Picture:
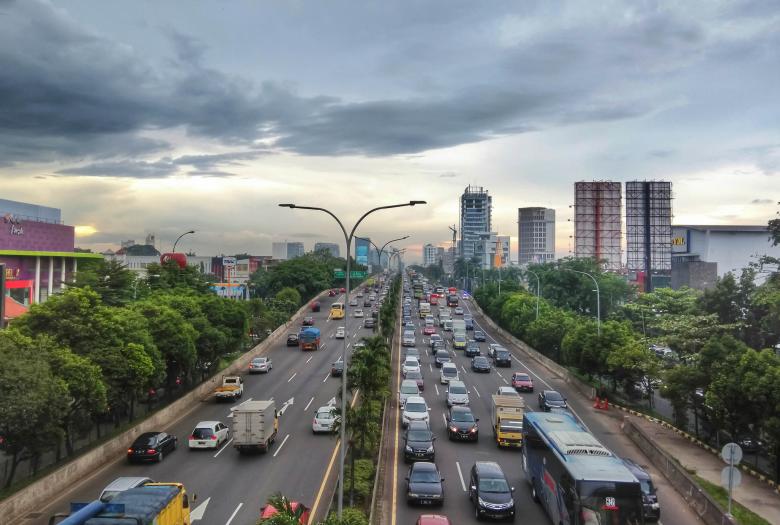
x,y
431,367
505,381
223,447
437,389
475,390
280,446
292,376
444,418
326,378
499,374
308,404
464,369
349,344
323,346
309,359
200,510
230,519
460,475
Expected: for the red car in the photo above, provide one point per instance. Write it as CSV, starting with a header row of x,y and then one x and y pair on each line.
x,y
343,290
522,382
270,510
315,306
429,330
433,519
332,293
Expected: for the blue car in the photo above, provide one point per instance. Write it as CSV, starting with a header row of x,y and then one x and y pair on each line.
x,y
479,335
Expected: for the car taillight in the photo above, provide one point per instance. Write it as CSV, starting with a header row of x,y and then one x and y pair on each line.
x,y
192,437
151,451
213,437
129,450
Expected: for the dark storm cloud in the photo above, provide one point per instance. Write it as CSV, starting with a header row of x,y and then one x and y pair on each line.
x,y
124,168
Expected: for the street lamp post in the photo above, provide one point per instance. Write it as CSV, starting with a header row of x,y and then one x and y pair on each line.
x,y
379,251
348,239
180,236
538,290
598,298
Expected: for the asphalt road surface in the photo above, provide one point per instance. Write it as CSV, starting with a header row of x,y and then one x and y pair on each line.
x,y
231,487
455,459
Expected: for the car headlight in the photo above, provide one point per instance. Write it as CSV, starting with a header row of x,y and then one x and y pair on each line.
x,y
473,429
453,429
409,449
413,495
430,451
482,503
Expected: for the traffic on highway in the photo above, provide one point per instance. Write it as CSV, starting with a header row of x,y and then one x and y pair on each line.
x,y
469,412
201,450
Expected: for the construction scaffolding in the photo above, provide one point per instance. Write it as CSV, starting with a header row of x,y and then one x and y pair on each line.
x,y
597,222
649,230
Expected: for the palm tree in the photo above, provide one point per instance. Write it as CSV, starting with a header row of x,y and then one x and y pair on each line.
x,y
285,514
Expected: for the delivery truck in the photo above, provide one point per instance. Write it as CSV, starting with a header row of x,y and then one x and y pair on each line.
x,y
507,418
255,424
309,338
151,504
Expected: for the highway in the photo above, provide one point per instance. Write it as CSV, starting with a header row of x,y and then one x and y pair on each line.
x,y
231,487
455,459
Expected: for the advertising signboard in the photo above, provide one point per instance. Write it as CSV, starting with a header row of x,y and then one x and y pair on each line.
x,y
229,262
361,251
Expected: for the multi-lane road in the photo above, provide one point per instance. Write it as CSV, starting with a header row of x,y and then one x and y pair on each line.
x,y
455,459
232,487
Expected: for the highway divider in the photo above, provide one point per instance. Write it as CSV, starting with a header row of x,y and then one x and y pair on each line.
x,y
39,493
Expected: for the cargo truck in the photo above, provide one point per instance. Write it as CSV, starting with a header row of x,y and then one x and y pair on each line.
x,y
151,504
459,327
507,418
255,424
309,339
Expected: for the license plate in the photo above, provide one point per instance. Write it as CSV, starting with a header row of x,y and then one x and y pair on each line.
x,y
201,442
419,454
425,502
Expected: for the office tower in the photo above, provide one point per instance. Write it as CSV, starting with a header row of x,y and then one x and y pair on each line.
x,y
429,255
294,249
535,235
330,247
279,251
475,219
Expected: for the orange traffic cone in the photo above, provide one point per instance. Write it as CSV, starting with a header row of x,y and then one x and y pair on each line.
x,y
597,403
604,404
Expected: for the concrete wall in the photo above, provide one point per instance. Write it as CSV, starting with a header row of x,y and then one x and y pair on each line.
x,y
46,488
707,509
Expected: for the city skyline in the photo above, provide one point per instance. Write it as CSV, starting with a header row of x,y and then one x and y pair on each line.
x,y
271,122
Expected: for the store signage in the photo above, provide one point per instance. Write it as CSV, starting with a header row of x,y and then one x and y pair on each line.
x,y
680,242
229,262
14,223
12,273
179,258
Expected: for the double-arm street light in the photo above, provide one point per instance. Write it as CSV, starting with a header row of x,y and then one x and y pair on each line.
x,y
348,239
180,236
397,254
598,298
380,251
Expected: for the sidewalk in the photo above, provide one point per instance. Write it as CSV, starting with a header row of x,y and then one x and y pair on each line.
x,y
754,494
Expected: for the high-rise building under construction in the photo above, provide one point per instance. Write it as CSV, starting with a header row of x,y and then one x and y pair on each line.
x,y
597,222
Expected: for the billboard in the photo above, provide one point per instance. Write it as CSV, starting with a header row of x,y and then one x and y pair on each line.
x,y
361,251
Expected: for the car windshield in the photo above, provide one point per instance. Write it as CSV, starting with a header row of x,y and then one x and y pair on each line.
x,y
409,335
511,426
493,485
409,389
419,435
202,433
480,361
324,414
425,476
414,374
450,372
522,377
416,407
259,360
553,396
502,354
411,361
148,441
462,417
457,389
441,354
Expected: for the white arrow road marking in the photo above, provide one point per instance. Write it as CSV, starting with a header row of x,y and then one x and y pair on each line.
x,y
291,377
223,447
280,446
286,404
431,367
200,510
308,404
460,474
505,381
332,401
230,519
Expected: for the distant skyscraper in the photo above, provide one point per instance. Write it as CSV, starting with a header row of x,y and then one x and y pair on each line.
x,y
440,255
429,255
597,222
503,247
475,219
649,231
279,251
535,235
485,249
331,247
294,249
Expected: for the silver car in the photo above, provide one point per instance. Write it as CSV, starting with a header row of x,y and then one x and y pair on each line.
x,y
260,365
457,394
408,339
122,484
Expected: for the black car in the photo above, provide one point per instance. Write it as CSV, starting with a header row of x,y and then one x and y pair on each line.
x,y
369,322
292,340
337,368
151,446
479,335
419,442
366,303
480,364
490,493
461,424
442,356
651,508
308,321
424,484
472,349
469,323
501,357
549,399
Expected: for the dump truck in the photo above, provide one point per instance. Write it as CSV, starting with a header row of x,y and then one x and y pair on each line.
x,y
507,418
152,504
309,338
255,424
232,388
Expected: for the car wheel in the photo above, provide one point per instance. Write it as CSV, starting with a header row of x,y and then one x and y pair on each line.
x,y
534,495
477,516
160,457
175,444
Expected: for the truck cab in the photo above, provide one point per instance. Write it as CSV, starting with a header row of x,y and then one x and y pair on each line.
x,y
232,388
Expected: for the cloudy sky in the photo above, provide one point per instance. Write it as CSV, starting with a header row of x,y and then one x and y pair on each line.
x,y
146,116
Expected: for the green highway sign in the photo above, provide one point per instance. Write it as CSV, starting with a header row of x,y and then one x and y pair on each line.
x,y
339,274
357,275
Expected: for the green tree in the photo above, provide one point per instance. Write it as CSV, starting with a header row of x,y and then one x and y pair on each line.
x,y
680,385
649,310
633,363
32,401
290,295
546,333
170,276
110,279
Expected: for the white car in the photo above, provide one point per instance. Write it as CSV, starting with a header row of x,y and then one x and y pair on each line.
x,y
341,332
208,434
507,391
324,419
408,338
358,313
415,409
458,310
408,389
449,372
457,394
353,302
410,363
